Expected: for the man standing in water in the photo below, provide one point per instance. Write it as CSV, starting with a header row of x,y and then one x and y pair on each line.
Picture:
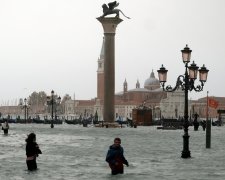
x,y
115,157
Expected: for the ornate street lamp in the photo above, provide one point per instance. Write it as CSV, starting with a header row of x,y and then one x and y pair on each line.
x,y
50,101
186,82
58,101
53,101
24,105
25,110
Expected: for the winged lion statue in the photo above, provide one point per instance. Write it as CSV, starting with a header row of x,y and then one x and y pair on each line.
x,y
110,9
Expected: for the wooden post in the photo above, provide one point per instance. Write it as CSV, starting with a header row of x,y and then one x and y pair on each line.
x,y
208,126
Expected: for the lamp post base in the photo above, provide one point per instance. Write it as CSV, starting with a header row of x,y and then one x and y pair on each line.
x,y
186,153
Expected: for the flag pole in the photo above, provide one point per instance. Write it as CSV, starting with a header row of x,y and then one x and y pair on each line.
x,y
208,124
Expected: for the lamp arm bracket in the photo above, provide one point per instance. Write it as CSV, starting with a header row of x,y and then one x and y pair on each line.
x,y
179,83
197,88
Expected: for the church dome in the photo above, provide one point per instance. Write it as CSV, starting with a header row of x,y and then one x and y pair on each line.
x,y
151,83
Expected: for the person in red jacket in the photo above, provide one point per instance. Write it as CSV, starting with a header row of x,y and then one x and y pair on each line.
x,y
32,151
115,157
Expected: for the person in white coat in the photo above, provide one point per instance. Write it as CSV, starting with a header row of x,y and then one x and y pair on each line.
x,y
5,127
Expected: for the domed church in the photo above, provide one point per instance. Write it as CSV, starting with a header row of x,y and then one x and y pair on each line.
x,y
152,83
151,92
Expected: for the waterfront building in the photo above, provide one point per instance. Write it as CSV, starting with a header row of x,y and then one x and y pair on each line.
x,y
166,105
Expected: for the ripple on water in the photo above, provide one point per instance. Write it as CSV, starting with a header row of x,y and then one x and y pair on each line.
x,y
74,152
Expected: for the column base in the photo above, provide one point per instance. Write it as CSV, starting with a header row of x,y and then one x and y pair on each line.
x,y
186,154
108,125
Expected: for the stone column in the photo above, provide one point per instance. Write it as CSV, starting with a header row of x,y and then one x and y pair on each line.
x,y
109,26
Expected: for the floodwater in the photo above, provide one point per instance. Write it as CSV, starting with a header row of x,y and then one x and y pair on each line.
x,y
72,152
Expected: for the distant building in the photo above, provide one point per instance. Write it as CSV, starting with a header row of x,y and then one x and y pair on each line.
x,y
162,104
126,100
200,107
173,105
167,105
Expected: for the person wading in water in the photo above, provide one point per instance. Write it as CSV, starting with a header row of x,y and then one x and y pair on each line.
x,y
32,151
115,157
5,127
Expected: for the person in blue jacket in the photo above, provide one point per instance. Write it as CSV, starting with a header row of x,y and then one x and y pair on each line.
x,y
115,157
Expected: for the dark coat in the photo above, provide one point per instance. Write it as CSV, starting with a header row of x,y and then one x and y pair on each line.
x,y
32,149
116,159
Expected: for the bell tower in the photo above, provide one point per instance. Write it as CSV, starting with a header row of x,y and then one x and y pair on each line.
x,y
137,84
125,86
100,73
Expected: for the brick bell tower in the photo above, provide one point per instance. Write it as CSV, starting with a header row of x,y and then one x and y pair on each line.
x,y
100,73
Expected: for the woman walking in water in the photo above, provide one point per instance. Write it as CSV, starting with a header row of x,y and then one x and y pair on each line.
x,y
32,151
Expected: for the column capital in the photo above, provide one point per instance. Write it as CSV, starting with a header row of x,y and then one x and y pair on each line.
x,y
109,24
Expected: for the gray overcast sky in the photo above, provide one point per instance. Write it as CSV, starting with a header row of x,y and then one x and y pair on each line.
x,y
55,44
